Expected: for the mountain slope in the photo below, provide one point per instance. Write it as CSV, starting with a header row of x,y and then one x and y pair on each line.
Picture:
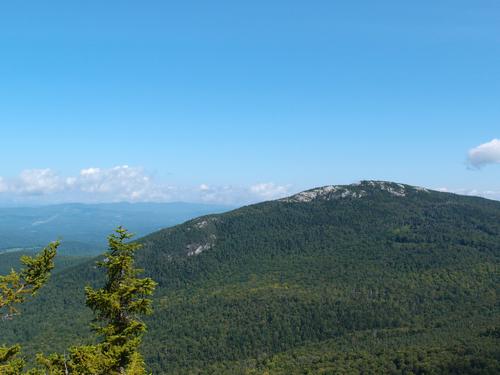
x,y
374,277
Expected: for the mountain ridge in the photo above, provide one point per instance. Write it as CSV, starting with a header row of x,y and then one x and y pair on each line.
x,y
356,190
409,280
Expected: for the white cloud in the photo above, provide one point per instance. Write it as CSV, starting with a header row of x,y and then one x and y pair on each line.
x,y
38,181
90,171
124,183
486,153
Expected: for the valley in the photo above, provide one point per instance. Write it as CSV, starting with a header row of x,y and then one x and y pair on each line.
x,y
82,228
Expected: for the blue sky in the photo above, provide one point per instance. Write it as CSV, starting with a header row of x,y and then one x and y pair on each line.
x,y
242,101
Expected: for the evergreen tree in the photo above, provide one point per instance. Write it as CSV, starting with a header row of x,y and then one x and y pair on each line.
x,y
117,306
14,289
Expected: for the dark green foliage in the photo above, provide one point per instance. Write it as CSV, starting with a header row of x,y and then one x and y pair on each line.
x,y
378,284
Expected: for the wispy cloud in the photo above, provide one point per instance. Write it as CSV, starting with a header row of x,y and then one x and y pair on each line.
x,y
270,190
245,194
125,183
490,194
484,154
3,185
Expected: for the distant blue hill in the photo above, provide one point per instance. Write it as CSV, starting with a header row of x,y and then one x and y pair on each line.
x,y
84,227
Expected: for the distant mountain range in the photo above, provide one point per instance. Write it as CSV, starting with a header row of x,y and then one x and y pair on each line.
x,y
373,278
83,227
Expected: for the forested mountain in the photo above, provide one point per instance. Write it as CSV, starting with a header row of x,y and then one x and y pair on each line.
x,y
83,227
375,277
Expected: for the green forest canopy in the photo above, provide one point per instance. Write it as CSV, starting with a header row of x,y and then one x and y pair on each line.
x,y
368,282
